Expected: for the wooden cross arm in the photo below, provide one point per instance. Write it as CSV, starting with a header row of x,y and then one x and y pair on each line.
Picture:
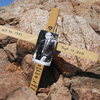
x,y
32,38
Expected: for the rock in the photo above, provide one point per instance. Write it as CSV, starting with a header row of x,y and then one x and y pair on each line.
x,y
95,69
10,50
34,20
12,21
23,93
61,93
4,40
64,67
60,82
3,58
96,6
75,2
78,2
89,9
24,48
77,32
3,37
2,21
10,82
42,96
48,5
58,91
78,24
65,6
86,88
43,91
27,64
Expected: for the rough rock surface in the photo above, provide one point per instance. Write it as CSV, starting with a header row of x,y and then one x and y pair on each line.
x,y
23,93
3,58
86,88
89,9
58,91
11,52
78,26
10,80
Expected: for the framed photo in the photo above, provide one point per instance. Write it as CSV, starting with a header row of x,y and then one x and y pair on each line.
x,y
45,47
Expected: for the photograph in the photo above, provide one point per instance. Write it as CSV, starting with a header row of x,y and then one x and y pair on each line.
x,y
45,48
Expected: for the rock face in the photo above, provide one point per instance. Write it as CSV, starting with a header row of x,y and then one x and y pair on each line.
x,y
23,93
89,9
10,82
86,88
10,49
69,77
58,91
3,58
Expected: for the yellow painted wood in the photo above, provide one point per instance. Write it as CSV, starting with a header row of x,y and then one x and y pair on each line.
x,y
78,52
18,34
52,20
36,77
38,67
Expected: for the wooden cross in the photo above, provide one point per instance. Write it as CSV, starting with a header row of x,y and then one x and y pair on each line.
x,y
60,46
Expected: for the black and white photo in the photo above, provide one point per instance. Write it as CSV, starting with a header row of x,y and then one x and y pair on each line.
x,y
45,47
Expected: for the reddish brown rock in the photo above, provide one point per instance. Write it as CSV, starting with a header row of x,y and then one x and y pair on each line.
x,y
86,88
65,67
61,94
74,27
11,51
23,93
58,91
9,82
3,37
95,69
42,96
90,10
2,21
78,33
27,63
4,40
23,48
96,6
3,58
